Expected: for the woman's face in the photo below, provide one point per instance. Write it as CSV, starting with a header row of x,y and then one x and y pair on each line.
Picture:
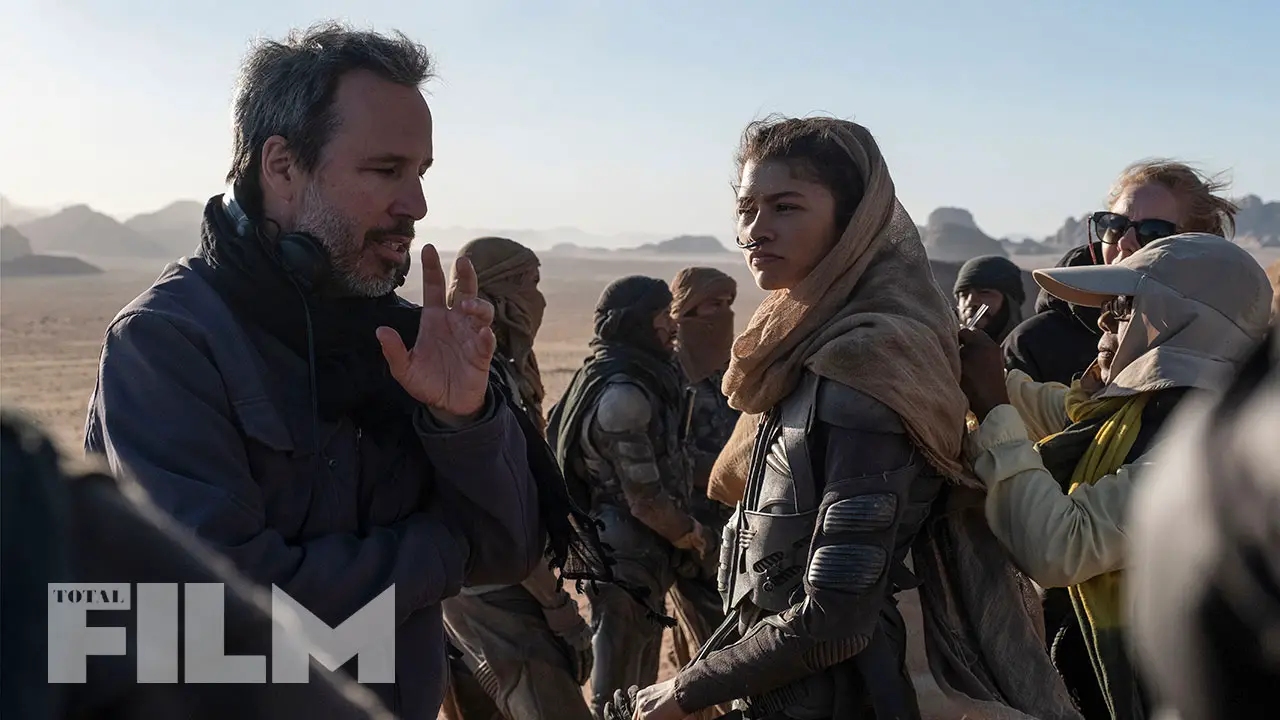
x,y
1145,202
792,220
1115,317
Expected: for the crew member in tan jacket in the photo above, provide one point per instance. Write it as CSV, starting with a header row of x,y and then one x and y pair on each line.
x,y
1059,462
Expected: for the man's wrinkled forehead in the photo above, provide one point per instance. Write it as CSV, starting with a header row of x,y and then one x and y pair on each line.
x,y
382,121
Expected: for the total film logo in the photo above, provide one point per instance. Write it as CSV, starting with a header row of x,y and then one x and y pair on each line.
x,y
296,635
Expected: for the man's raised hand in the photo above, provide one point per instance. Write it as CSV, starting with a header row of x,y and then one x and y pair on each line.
x,y
448,367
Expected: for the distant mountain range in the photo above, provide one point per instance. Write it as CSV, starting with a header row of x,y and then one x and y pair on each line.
x,y
681,245
950,234
174,231
18,260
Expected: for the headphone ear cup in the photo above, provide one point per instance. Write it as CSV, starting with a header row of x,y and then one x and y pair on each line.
x,y
304,258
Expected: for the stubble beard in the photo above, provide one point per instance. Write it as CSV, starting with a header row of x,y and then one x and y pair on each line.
x,y
338,236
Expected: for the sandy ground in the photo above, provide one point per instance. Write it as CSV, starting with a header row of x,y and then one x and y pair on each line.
x,y
51,331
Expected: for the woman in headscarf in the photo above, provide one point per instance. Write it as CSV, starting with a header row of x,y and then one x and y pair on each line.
x,y
1154,199
848,378
1178,315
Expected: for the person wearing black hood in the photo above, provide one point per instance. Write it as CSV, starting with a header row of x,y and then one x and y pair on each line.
x,y
993,281
1060,340
618,428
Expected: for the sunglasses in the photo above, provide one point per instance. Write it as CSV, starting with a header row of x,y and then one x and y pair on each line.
x,y
1109,227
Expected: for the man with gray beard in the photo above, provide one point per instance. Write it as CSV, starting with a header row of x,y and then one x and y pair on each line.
x,y
275,395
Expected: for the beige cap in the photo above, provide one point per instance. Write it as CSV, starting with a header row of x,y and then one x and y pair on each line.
x,y
1204,267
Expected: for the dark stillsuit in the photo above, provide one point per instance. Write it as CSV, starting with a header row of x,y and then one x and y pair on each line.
x,y
811,562
617,430
631,448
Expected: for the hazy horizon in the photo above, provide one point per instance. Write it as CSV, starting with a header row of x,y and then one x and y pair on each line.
x,y
622,120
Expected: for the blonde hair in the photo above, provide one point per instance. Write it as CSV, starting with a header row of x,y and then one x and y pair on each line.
x,y
1203,210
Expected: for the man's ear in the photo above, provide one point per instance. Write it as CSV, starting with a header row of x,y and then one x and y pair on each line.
x,y
281,176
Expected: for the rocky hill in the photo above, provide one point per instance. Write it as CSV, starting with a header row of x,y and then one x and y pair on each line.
x,y
681,245
45,265
80,230
1025,247
951,235
1258,222
175,227
568,248
684,245
13,244
1074,232
18,260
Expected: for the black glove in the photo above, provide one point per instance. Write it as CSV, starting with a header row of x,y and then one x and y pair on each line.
x,y
623,705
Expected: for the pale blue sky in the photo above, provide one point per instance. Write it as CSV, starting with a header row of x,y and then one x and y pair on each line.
x,y
616,116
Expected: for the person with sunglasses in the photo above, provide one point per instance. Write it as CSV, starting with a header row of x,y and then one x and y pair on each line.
x,y
1178,316
1154,199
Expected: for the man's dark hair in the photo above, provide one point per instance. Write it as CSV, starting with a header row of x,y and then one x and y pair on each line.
x,y
287,88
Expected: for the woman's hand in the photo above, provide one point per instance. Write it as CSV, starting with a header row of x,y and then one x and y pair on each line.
x,y
981,372
658,702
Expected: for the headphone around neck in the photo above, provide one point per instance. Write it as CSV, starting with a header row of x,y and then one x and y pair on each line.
x,y
305,262
301,255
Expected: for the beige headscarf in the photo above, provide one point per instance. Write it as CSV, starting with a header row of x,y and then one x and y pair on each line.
x,y
504,272
869,316
704,340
